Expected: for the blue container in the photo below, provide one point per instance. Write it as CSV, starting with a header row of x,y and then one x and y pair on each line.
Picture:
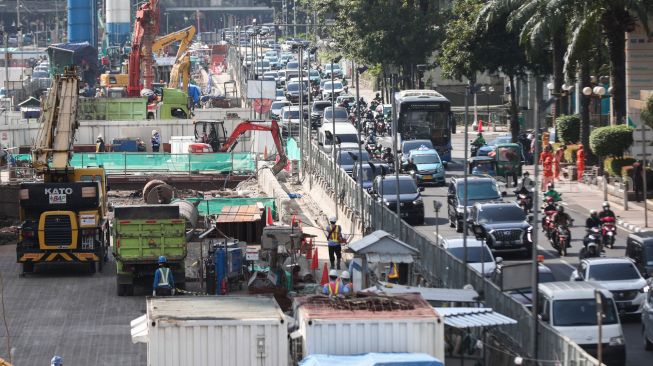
x,y
81,22
232,271
124,145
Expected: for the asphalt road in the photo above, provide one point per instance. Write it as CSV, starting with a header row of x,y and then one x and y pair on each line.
x,y
561,267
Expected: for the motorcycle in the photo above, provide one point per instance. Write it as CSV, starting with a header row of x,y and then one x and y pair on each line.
x,y
561,239
608,231
525,201
380,128
547,224
591,244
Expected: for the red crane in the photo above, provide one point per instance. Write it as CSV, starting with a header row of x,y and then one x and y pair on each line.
x,y
273,127
146,28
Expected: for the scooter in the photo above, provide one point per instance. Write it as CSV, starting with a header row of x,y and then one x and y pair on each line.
x,y
547,224
591,244
525,201
609,231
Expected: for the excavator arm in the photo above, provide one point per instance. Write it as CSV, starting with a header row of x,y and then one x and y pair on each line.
x,y
185,36
273,127
181,67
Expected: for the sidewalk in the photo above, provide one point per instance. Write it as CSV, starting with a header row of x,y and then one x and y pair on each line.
x,y
581,198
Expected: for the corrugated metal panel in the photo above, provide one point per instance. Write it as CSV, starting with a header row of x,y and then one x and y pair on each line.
x,y
248,213
342,332
473,317
387,258
208,331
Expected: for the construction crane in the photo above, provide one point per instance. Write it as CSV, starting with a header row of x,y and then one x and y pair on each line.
x,y
141,57
64,216
272,127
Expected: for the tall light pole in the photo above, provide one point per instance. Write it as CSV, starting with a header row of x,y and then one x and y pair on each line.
x,y
488,90
301,107
360,70
465,172
395,143
333,134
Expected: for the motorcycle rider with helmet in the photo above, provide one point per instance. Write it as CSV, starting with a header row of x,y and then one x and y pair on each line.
x,y
561,218
607,212
388,156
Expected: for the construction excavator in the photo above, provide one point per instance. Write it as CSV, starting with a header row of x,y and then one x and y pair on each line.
x,y
64,215
209,132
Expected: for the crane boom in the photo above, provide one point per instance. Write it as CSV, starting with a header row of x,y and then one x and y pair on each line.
x,y
185,36
59,123
146,28
272,127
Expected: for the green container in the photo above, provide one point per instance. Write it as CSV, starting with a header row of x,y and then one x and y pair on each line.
x,y
112,109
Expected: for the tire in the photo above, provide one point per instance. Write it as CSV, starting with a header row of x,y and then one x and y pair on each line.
x,y
648,345
28,267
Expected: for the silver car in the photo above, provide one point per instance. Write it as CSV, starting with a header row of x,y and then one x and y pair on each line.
x,y
647,318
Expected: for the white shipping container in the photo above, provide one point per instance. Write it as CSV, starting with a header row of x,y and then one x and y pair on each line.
x,y
209,331
345,332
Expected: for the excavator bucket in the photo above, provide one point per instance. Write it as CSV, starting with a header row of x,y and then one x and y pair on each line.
x,y
279,165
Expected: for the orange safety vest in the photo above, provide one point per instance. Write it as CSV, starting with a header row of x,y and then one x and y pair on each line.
x,y
334,288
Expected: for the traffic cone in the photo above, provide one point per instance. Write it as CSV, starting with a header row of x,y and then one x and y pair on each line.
x,y
480,125
265,153
325,275
269,220
314,263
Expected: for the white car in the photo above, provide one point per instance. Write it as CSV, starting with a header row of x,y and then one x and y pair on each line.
x,y
619,276
479,255
337,88
275,109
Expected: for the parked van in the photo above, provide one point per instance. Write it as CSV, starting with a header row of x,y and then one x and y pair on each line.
x,y
345,131
570,309
639,248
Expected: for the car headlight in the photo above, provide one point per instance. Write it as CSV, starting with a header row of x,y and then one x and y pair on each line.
x,y
645,289
617,341
418,202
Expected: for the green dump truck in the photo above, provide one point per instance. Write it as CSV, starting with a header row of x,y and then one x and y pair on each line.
x,y
173,105
140,235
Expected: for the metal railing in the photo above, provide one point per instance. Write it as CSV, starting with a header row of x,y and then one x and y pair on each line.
x,y
442,269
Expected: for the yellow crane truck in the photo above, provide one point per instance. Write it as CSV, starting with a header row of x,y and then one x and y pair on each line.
x,y
64,215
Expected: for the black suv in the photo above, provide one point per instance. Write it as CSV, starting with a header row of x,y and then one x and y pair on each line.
x,y
480,189
639,248
317,111
503,226
384,189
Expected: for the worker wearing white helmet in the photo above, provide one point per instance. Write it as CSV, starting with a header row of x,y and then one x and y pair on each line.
x,y
347,286
333,287
334,239
156,141
99,144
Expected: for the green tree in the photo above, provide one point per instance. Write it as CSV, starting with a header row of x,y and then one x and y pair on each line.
x,y
459,55
647,113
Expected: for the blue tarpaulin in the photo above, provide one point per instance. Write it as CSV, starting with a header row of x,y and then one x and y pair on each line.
x,y
373,359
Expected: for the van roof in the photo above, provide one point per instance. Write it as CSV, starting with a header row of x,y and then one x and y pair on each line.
x,y
567,290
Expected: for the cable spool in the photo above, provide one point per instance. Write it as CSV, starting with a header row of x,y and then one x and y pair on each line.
x,y
157,192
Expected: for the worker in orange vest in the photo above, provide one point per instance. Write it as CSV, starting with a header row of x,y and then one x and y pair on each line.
x,y
547,173
546,154
558,157
580,162
333,287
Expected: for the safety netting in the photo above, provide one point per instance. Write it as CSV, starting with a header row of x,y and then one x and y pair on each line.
x,y
213,206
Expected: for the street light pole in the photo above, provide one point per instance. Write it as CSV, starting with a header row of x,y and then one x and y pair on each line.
x,y
359,71
466,170
333,135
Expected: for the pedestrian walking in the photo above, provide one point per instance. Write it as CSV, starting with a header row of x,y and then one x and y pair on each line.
x,y
580,163
164,282
558,157
156,141
334,239
547,153
547,173
638,180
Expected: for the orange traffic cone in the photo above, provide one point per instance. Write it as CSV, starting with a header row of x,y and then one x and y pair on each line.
x,y
325,275
480,125
314,263
269,220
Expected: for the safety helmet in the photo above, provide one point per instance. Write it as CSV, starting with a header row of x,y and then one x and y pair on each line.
x,y
56,361
561,209
333,219
154,132
606,205
593,213
162,259
99,137
333,273
345,275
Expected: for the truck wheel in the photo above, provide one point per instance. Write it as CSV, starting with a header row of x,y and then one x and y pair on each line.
x,y
28,267
91,267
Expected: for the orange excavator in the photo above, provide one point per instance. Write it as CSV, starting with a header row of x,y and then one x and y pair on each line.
x,y
146,28
272,127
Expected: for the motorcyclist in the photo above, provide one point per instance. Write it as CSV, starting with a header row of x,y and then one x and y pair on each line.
x,y
607,212
549,205
593,221
377,97
387,155
371,139
526,185
410,166
479,141
561,218
362,103
551,192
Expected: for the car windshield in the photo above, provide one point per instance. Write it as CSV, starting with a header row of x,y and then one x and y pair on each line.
x,y
486,190
291,114
336,85
346,158
426,159
412,145
544,277
649,255
293,87
327,67
278,105
500,213
474,254
315,73
339,113
508,154
280,93
369,173
406,186
612,272
40,74
292,65
351,138
582,312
